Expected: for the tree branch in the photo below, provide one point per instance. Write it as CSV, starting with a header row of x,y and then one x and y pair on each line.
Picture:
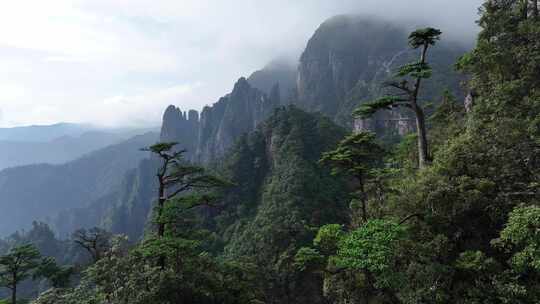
x,y
418,215
403,86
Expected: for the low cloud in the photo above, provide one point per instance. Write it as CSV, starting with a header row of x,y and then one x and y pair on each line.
x,y
120,62
143,109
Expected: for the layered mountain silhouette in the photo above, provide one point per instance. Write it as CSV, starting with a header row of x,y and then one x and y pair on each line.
x,y
58,143
344,64
41,191
43,133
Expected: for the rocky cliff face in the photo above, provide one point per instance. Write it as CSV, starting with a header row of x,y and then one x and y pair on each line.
x,y
343,65
343,52
280,73
182,127
347,60
208,137
233,115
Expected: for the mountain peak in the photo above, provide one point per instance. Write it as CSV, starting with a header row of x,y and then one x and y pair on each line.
x,y
241,85
350,56
172,113
278,71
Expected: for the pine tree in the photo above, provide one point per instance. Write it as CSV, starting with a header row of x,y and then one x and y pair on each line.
x,y
17,266
358,156
57,275
181,187
96,241
408,96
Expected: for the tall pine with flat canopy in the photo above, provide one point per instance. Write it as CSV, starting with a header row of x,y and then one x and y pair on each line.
x,y
182,187
408,94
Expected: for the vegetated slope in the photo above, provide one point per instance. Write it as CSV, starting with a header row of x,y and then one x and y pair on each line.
x,y
41,191
124,210
346,56
464,229
282,193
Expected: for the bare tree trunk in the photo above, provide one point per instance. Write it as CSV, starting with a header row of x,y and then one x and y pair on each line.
x,y
14,290
423,151
535,8
161,224
161,205
162,199
363,199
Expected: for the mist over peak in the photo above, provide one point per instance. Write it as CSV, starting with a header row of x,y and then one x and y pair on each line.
x,y
136,59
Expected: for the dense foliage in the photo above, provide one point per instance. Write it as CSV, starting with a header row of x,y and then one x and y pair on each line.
x,y
315,215
462,230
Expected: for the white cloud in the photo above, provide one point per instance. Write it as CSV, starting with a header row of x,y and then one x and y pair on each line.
x,y
143,109
11,92
65,60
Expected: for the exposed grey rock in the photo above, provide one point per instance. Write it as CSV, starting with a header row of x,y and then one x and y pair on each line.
x,y
343,65
348,59
345,52
362,125
208,137
469,101
278,72
180,127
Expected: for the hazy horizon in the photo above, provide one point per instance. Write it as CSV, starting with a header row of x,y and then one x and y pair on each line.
x,y
120,63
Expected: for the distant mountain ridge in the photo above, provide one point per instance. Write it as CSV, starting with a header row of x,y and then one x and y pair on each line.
x,y
56,151
58,143
43,133
47,133
40,192
343,65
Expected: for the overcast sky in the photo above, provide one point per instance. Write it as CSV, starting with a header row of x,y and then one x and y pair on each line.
x,y
121,62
